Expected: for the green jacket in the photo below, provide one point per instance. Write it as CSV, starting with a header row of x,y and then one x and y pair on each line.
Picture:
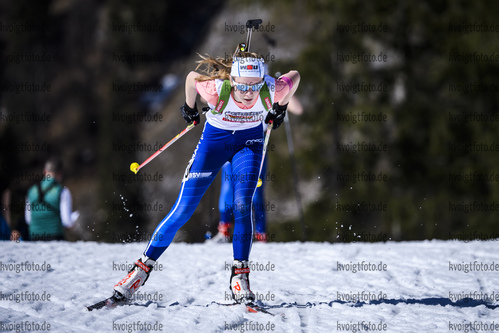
x,y
45,212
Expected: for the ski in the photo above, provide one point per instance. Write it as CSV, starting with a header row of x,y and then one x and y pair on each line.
x,y
113,301
250,307
110,302
255,308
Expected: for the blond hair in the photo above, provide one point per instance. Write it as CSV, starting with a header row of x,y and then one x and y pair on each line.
x,y
219,68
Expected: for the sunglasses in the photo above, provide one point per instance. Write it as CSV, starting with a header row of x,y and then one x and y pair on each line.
x,y
246,87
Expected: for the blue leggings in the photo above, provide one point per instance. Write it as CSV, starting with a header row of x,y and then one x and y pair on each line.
x,y
226,198
244,150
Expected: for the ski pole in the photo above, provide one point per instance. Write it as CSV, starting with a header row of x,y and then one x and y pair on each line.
x,y
265,143
291,149
135,167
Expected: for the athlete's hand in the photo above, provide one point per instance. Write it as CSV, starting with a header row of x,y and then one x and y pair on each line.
x,y
189,114
276,115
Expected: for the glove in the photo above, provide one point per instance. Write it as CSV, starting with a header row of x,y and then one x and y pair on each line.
x,y
276,115
189,114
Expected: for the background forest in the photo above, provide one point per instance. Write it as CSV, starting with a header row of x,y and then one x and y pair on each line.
x,y
399,138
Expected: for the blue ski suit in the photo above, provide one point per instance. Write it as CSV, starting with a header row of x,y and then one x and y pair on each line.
x,y
234,136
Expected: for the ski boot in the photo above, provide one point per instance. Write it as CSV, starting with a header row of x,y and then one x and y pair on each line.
x,y
239,282
223,235
135,278
261,237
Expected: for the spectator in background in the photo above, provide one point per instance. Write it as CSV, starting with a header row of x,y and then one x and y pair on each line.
x,y
4,220
49,205
19,231
4,229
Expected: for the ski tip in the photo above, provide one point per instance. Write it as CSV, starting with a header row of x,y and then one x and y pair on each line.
x,y
250,309
254,308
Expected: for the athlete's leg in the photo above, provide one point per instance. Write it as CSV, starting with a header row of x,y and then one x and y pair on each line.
x,y
225,202
245,168
259,204
202,169
226,196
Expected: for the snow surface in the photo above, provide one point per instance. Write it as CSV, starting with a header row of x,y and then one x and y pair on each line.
x,y
418,283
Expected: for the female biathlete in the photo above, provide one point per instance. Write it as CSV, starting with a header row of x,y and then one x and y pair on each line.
x,y
241,97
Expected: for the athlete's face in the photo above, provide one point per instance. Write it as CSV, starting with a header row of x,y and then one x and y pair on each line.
x,y
241,83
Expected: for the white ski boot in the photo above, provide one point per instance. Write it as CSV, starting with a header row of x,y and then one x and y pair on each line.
x,y
135,278
239,282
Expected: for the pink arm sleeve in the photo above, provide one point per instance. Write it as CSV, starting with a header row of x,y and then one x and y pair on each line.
x,y
208,90
282,87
